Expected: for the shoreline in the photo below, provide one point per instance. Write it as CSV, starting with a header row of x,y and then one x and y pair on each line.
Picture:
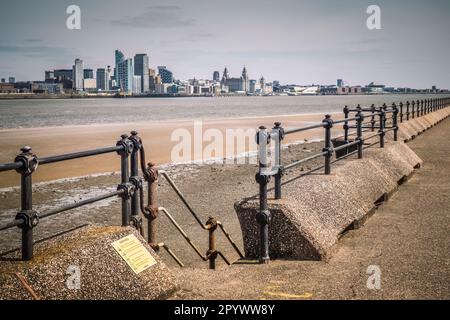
x,y
156,137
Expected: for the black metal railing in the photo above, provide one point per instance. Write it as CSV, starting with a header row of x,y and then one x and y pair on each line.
x,y
130,190
381,120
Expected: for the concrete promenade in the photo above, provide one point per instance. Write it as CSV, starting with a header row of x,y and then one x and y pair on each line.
x,y
408,238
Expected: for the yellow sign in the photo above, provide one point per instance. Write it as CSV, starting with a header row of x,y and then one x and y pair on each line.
x,y
134,253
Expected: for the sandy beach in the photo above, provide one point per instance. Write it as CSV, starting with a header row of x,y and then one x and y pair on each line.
x,y
156,136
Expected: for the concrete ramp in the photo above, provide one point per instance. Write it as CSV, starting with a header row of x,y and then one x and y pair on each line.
x,y
86,264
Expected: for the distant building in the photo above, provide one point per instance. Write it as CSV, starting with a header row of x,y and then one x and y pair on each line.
x,y
90,84
340,83
62,74
118,59
141,70
126,73
12,80
136,87
3,80
88,74
78,75
216,76
240,84
166,74
103,79
374,88
349,90
7,87
45,87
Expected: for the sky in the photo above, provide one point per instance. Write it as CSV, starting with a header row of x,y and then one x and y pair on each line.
x,y
292,41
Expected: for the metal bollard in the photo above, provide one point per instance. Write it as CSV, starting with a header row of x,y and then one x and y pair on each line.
x,y
279,174
29,217
135,219
346,112
359,133
211,225
382,126
401,112
407,110
127,148
328,124
372,121
263,216
152,181
395,121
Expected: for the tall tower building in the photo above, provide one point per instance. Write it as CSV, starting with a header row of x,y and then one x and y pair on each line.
x,y
103,79
216,76
125,75
78,77
141,69
245,80
225,76
118,58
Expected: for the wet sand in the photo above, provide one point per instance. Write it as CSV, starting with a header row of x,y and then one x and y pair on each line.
x,y
156,136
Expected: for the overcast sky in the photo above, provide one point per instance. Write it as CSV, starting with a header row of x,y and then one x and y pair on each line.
x,y
292,41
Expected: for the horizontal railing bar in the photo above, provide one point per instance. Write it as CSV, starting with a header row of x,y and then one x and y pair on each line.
x,y
315,126
344,146
372,136
294,164
81,203
345,120
10,166
12,224
81,154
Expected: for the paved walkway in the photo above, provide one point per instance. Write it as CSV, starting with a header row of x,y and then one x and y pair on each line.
x,y
408,238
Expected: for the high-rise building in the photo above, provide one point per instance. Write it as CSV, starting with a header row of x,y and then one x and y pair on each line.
x,y
125,76
88,74
245,84
141,70
151,72
12,80
216,76
340,83
166,74
136,87
118,58
78,75
103,79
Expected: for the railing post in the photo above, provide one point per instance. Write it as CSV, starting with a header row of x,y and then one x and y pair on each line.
x,y
346,112
395,121
401,112
413,112
372,121
212,250
263,215
418,108
407,110
428,105
359,132
421,107
279,174
127,149
135,219
328,124
29,217
382,126
152,180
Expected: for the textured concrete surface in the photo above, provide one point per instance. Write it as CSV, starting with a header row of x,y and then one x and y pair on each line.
x,y
103,273
407,238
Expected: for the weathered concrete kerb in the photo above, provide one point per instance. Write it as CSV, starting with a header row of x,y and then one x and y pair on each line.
x,y
317,209
101,273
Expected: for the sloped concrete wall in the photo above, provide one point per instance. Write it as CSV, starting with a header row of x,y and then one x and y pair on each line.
x,y
103,273
316,209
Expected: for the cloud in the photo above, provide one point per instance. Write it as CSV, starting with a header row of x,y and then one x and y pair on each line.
x,y
155,17
33,50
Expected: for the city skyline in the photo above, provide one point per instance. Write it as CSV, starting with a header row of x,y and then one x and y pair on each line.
x,y
293,41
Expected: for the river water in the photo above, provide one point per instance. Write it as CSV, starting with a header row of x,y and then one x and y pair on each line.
x,y
51,112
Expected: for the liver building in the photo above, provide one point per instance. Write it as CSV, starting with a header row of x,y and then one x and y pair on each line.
x,y
236,84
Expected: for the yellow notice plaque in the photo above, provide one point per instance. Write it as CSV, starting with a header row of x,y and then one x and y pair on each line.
x,y
134,253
